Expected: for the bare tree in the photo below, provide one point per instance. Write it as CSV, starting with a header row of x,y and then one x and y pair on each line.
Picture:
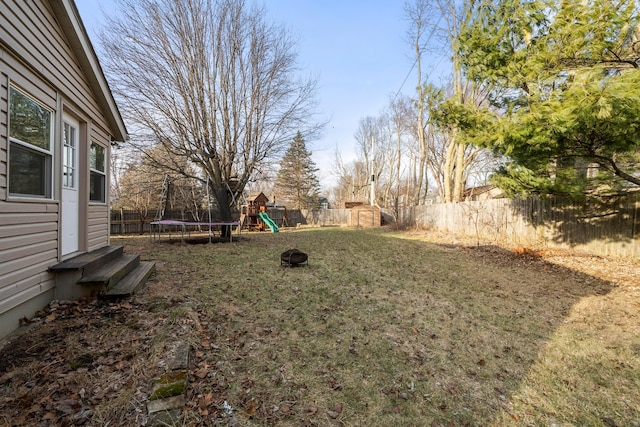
x,y
449,158
141,185
418,14
383,150
352,181
399,118
210,81
140,191
373,140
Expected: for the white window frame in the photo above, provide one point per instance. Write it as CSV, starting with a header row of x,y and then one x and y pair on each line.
x,y
103,173
48,154
70,155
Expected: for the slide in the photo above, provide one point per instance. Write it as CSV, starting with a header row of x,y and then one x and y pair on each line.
x,y
272,225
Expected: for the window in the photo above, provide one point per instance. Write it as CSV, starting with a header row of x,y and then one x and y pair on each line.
x,y
30,146
97,166
69,150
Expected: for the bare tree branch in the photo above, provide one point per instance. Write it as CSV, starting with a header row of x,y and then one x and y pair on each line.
x,y
210,81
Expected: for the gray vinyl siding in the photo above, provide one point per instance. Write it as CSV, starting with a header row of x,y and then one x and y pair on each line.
x,y
29,245
36,56
37,37
97,226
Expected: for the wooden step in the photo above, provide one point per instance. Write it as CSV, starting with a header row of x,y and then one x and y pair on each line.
x,y
90,261
111,273
130,283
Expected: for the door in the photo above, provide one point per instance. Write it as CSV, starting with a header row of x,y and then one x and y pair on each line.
x,y
70,209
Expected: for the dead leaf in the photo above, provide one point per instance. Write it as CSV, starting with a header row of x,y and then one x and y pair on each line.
x,y
25,321
415,330
202,372
311,410
250,408
49,416
50,318
6,377
333,414
206,400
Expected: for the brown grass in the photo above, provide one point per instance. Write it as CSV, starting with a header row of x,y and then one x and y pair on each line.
x,y
386,328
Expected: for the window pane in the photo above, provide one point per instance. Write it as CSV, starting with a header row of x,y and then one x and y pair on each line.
x,y
29,172
96,187
67,177
29,121
97,157
69,156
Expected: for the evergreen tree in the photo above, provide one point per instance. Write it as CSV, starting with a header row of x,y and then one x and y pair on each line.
x,y
567,93
297,185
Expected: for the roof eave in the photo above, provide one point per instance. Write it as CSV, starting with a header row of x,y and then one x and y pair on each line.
x,y
71,23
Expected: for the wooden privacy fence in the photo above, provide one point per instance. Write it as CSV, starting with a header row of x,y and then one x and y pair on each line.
x,y
607,229
129,222
132,222
326,217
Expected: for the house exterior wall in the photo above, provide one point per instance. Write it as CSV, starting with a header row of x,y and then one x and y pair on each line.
x,y
37,58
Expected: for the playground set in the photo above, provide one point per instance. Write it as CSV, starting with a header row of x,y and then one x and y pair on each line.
x,y
253,214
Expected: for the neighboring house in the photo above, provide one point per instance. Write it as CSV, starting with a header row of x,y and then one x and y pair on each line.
x,y
57,122
483,192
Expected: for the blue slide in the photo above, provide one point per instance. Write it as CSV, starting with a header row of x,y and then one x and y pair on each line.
x,y
272,225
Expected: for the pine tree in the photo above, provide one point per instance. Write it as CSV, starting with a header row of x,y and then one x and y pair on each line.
x,y
566,96
297,185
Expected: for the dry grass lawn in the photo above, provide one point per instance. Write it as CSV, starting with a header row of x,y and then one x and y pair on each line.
x,y
381,328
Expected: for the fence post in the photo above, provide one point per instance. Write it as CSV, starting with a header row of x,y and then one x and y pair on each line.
x,y
635,219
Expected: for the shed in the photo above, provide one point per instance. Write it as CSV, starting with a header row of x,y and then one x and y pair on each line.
x,y
365,216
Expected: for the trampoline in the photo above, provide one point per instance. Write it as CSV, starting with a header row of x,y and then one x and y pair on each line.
x,y
158,226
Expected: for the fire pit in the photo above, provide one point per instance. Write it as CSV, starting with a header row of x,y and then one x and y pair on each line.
x,y
293,258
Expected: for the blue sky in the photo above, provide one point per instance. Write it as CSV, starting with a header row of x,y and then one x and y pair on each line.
x,y
357,49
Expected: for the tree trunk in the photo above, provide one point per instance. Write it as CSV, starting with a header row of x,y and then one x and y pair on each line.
x,y
223,212
458,178
448,172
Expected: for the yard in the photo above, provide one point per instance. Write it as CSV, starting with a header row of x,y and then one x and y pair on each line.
x,y
382,328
